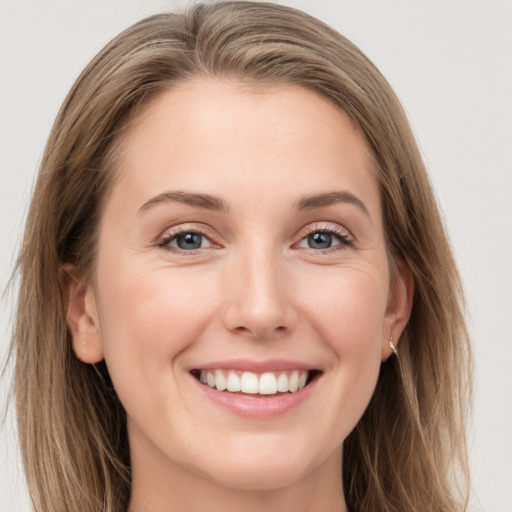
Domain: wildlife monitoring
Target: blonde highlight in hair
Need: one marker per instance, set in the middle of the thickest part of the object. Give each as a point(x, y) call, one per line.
point(408, 451)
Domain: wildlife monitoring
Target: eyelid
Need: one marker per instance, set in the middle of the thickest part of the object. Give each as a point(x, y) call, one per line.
point(347, 240)
point(170, 233)
point(328, 227)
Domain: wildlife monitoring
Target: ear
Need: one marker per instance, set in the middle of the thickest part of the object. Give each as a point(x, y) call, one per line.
point(398, 312)
point(81, 315)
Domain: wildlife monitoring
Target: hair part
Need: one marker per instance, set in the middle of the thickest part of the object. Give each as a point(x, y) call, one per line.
point(408, 451)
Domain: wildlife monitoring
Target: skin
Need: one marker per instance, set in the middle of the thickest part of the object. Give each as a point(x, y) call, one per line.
point(255, 290)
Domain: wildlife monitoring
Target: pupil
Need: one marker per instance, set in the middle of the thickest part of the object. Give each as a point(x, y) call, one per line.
point(320, 240)
point(189, 241)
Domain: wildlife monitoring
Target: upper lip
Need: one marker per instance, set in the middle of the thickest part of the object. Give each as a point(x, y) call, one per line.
point(271, 365)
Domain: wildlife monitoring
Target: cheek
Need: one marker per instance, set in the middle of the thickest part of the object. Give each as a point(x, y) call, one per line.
point(348, 311)
point(348, 306)
point(147, 319)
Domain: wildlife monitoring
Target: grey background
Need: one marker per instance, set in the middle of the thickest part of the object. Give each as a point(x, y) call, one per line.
point(450, 62)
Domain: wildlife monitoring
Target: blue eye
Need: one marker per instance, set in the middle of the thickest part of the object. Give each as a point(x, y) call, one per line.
point(323, 239)
point(185, 241)
point(189, 241)
point(320, 240)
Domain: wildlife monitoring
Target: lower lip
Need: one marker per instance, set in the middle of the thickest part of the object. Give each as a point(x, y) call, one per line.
point(257, 406)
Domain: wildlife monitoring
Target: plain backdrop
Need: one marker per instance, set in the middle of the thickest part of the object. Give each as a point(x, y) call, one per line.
point(450, 62)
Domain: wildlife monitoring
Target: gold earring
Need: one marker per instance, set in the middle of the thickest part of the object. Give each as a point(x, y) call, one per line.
point(392, 346)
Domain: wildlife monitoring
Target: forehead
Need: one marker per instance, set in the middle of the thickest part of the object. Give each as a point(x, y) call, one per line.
point(208, 134)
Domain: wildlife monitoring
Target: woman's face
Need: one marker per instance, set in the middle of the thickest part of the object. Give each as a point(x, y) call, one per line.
point(242, 246)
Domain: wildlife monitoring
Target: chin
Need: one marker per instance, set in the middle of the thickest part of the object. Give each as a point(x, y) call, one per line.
point(264, 468)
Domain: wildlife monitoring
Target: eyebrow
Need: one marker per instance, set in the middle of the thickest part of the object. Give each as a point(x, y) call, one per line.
point(205, 201)
point(213, 203)
point(329, 199)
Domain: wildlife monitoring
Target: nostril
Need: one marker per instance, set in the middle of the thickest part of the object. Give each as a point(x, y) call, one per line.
point(260, 332)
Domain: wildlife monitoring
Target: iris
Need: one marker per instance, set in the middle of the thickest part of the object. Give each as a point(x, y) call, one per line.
point(319, 240)
point(189, 241)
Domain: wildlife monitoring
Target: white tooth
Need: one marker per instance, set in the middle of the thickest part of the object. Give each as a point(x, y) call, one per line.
point(211, 379)
point(282, 383)
point(203, 378)
point(268, 384)
point(220, 380)
point(293, 381)
point(302, 379)
point(233, 383)
point(249, 382)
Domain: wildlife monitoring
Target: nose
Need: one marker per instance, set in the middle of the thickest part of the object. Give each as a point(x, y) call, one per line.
point(259, 297)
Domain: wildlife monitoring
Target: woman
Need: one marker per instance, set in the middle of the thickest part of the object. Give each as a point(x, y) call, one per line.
point(240, 292)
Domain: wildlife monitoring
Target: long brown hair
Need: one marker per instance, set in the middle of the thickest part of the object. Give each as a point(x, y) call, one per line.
point(408, 451)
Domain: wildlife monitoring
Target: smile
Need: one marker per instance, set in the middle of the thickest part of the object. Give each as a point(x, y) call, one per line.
point(268, 383)
point(262, 389)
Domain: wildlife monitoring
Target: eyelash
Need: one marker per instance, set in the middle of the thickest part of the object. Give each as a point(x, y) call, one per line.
point(165, 241)
point(345, 239)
